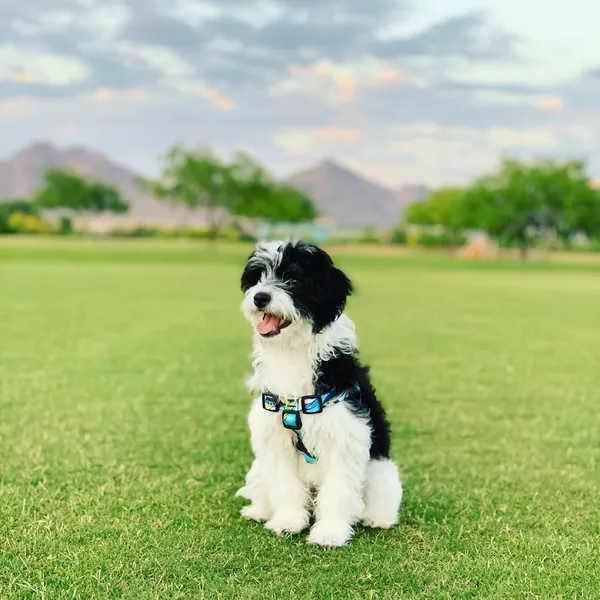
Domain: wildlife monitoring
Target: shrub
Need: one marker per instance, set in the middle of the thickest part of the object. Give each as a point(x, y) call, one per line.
point(368, 237)
point(8, 208)
point(65, 226)
point(412, 238)
point(435, 239)
point(398, 236)
point(19, 222)
point(444, 239)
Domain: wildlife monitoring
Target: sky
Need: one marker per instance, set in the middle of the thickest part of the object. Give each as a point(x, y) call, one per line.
point(430, 92)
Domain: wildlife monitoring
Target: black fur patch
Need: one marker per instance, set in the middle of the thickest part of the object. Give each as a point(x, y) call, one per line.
point(340, 373)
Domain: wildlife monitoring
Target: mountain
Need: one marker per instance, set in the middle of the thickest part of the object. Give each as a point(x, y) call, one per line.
point(351, 200)
point(341, 195)
point(23, 173)
point(409, 194)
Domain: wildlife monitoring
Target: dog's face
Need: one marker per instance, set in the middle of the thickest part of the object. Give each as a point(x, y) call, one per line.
point(287, 285)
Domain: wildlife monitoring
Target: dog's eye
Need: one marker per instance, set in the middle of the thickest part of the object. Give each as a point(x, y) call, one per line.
point(292, 281)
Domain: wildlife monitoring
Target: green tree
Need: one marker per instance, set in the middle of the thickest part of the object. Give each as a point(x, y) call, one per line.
point(255, 194)
point(198, 179)
point(439, 208)
point(522, 202)
point(67, 190)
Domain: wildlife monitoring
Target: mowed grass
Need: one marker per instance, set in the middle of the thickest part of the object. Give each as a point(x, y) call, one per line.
point(123, 431)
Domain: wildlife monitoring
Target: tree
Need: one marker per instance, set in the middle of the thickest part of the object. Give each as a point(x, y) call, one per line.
point(65, 189)
point(194, 179)
point(255, 194)
point(522, 202)
point(200, 179)
point(439, 208)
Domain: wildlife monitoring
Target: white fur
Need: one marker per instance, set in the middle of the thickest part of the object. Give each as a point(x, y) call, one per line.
point(349, 486)
point(383, 494)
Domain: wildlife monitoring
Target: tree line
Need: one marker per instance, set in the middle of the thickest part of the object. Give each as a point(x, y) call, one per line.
point(521, 204)
point(192, 178)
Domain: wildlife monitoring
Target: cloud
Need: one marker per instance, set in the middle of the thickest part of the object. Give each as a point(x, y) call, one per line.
point(163, 61)
point(504, 138)
point(385, 75)
point(341, 82)
point(211, 94)
point(22, 66)
point(152, 29)
point(293, 79)
point(439, 154)
point(322, 77)
point(112, 95)
point(305, 142)
point(468, 35)
point(249, 46)
point(551, 104)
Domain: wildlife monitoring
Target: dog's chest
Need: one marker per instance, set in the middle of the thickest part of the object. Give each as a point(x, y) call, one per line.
point(286, 373)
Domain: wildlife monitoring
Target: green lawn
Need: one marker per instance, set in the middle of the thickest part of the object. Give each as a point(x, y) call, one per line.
point(123, 429)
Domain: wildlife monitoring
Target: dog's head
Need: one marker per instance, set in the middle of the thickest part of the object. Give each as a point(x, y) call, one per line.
point(289, 284)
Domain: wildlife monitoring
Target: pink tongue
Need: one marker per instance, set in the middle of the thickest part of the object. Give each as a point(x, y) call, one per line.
point(270, 324)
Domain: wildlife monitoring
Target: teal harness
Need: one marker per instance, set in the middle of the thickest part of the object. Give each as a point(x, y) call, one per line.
point(309, 405)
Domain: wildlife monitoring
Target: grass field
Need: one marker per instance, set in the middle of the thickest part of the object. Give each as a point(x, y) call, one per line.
point(123, 429)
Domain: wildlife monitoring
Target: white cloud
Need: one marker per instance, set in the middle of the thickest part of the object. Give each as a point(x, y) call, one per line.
point(106, 20)
point(343, 81)
point(164, 60)
point(298, 142)
point(208, 93)
point(112, 95)
point(504, 138)
point(498, 138)
point(23, 66)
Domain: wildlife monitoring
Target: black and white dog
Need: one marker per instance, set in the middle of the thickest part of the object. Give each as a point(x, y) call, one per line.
point(320, 437)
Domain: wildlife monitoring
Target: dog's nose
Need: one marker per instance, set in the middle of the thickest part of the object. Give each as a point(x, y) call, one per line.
point(262, 299)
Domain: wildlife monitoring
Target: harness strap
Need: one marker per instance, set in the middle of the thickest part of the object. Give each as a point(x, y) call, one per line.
point(310, 405)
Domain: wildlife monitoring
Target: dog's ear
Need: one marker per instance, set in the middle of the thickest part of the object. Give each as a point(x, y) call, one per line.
point(335, 289)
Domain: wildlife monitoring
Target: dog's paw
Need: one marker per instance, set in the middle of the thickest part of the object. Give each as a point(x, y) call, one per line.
point(288, 523)
point(255, 513)
point(244, 492)
point(377, 522)
point(330, 534)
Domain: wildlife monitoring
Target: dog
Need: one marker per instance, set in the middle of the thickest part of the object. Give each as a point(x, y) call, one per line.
point(319, 435)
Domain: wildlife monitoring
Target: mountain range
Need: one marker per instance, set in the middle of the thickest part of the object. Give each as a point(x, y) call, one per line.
point(341, 195)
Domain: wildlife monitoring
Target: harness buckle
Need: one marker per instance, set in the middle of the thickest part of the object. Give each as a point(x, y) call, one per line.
point(270, 402)
point(311, 405)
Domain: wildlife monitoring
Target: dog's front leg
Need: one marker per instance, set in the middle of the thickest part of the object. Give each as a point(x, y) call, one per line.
point(339, 502)
point(256, 492)
point(282, 497)
point(288, 494)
